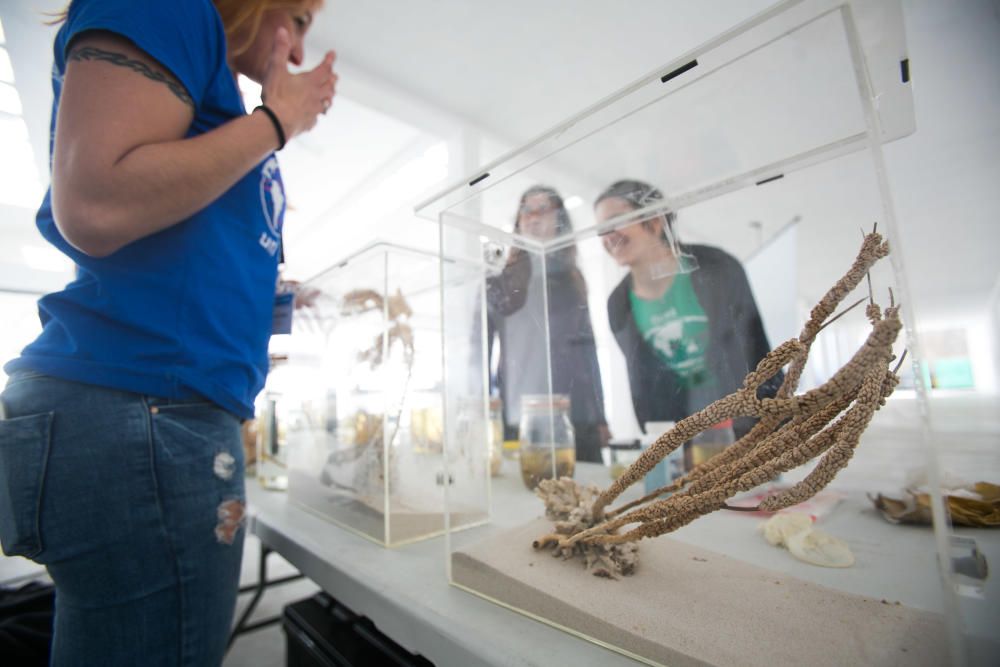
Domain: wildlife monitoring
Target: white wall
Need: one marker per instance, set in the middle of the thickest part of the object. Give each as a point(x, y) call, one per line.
point(994, 328)
point(945, 177)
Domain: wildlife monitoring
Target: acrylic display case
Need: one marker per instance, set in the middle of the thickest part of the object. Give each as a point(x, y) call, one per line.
point(275, 410)
point(764, 150)
point(366, 449)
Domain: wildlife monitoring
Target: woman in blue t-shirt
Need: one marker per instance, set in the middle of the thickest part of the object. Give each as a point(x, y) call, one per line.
point(121, 468)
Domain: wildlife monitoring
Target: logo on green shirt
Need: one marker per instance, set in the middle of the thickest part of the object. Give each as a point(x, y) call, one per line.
point(677, 328)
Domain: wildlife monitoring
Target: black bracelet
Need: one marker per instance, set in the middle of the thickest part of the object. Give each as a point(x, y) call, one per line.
point(277, 124)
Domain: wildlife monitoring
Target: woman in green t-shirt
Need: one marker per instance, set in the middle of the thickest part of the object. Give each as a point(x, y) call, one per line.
point(684, 316)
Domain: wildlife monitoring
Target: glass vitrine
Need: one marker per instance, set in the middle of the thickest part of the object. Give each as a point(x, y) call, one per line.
point(635, 264)
point(366, 447)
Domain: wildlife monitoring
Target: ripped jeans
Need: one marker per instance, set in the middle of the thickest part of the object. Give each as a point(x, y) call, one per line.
point(135, 506)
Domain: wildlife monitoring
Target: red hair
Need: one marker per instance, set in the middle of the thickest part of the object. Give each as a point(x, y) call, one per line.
point(239, 17)
point(243, 18)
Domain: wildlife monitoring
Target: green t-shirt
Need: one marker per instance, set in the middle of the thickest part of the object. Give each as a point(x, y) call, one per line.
point(677, 328)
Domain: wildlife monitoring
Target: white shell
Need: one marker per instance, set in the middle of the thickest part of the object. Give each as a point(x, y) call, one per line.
point(818, 548)
point(780, 527)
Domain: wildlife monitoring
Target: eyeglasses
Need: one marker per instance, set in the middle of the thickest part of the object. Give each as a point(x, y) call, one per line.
point(537, 210)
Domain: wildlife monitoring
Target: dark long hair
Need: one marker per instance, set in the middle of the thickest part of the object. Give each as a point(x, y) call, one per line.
point(639, 195)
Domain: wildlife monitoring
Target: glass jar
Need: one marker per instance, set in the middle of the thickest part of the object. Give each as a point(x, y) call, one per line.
point(511, 449)
point(671, 466)
point(496, 436)
point(427, 429)
point(708, 443)
point(547, 443)
point(623, 454)
point(272, 451)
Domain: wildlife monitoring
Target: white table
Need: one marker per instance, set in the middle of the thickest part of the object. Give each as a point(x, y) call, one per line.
point(406, 593)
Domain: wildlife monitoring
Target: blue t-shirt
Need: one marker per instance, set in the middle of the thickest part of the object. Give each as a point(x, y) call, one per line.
point(186, 312)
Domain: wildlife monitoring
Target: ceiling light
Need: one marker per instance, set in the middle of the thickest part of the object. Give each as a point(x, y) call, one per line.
point(572, 202)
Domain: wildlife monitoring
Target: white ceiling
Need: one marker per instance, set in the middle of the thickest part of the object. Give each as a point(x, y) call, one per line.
point(518, 67)
point(513, 69)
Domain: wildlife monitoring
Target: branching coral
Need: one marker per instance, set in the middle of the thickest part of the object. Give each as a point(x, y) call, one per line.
point(791, 430)
point(369, 428)
point(570, 505)
point(397, 311)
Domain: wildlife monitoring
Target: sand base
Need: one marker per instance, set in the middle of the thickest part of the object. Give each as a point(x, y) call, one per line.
point(689, 606)
point(363, 516)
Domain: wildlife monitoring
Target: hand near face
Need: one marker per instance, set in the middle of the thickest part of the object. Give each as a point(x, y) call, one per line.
point(297, 99)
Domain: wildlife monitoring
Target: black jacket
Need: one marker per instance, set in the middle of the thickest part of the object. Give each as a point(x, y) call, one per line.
point(736, 340)
point(575, 371)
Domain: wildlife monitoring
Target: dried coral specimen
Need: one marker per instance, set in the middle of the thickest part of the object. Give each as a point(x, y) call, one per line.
point(791, 430)
point(570, 506)
point(369, 428)
point(398, 312)
point(976, 505)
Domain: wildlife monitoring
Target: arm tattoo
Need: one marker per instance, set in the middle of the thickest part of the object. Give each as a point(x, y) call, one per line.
point(120, 59)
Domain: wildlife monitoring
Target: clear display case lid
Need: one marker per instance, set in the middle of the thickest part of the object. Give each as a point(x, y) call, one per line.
point(703, 124)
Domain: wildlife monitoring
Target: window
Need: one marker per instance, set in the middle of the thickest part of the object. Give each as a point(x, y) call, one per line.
point(21, 325)
point(19, 182)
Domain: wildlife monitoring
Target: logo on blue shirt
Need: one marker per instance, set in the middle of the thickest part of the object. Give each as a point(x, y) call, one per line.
point(272, 201)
